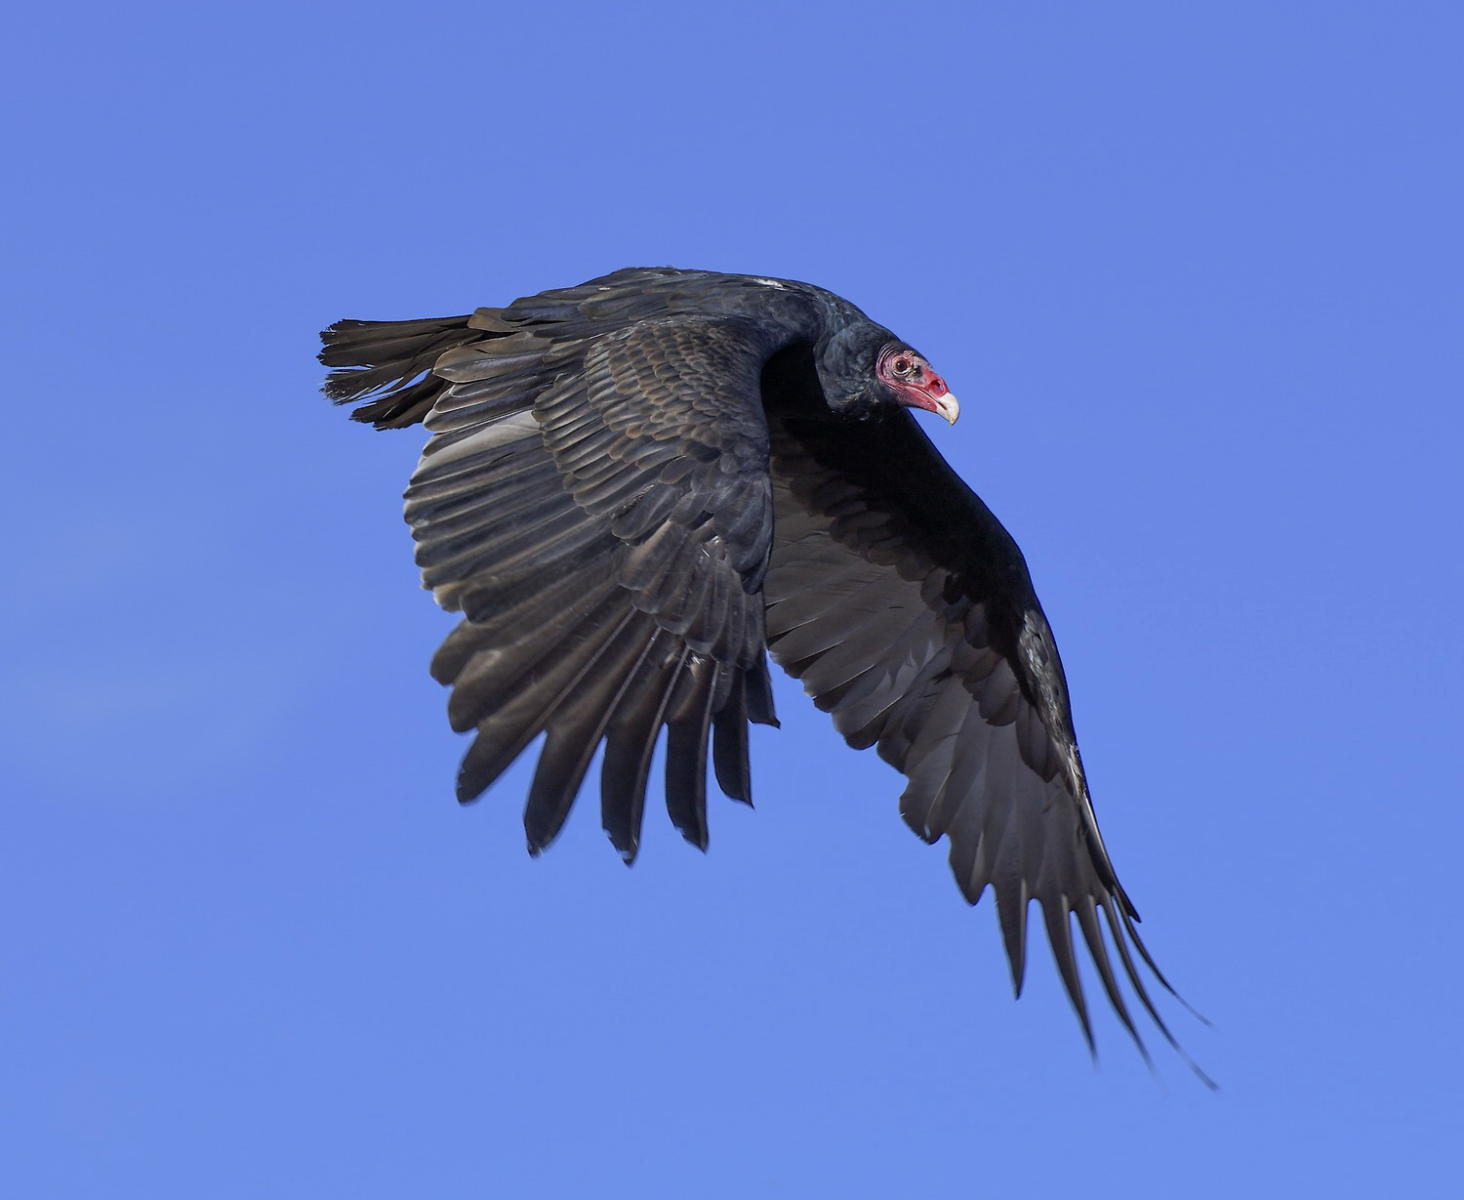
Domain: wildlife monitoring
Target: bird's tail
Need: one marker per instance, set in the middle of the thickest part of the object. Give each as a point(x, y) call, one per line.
point(389, 364)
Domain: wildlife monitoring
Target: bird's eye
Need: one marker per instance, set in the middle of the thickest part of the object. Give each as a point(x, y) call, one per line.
point(902, 366)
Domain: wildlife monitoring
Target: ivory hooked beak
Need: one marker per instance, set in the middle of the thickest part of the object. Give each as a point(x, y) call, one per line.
point(946, 406)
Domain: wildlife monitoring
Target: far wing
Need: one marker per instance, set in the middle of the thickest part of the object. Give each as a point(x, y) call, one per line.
point(908, 613)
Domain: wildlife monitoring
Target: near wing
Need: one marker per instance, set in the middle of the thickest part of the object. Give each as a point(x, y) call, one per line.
point(907, 611)
point(595, 500)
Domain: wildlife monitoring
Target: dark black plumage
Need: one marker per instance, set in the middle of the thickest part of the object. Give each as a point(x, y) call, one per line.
point(638, 487)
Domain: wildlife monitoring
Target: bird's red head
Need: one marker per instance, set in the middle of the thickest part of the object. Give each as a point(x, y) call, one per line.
point(915, 383)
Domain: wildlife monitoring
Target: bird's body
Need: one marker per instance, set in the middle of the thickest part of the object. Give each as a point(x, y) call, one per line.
point(637, 487)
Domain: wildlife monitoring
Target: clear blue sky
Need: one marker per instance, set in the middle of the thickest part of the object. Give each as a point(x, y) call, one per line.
point(1195, 272)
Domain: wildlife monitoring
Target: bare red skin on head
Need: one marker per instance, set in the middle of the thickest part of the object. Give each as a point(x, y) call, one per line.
point(911, 378)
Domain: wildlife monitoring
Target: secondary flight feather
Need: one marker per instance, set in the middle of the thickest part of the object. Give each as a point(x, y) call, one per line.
point(638, 488)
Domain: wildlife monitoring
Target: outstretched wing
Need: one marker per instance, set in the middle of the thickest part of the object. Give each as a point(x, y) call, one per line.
point(907, 611)
point(595, 500)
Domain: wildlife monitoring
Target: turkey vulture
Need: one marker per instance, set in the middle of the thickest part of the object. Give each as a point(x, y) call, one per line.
point(637, 487)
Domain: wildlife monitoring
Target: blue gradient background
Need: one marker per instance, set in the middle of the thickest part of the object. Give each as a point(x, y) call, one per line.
point(1195, 272)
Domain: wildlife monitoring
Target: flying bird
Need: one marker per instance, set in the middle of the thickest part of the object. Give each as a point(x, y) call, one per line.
point(638, 488)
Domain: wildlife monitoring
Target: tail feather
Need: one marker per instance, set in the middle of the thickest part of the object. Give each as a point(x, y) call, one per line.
point(388, 362)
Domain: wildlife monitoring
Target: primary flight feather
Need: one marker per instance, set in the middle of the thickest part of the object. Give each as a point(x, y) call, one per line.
point(637, 488)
